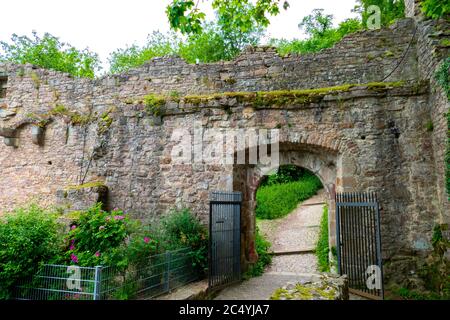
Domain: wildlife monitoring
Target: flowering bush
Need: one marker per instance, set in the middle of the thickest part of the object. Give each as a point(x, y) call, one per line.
point(102, 238)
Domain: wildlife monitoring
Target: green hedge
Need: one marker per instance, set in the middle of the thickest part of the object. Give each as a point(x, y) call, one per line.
point(278, 200)
point(322, 248)
point(28, 237)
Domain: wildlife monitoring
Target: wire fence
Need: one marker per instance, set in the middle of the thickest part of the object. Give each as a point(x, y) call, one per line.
point(151, 277)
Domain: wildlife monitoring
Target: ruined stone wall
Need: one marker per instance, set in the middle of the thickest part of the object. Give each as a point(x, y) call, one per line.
point(366, 138)
point(432, 50)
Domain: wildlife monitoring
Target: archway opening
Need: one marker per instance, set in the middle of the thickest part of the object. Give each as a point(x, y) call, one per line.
point(323, 163)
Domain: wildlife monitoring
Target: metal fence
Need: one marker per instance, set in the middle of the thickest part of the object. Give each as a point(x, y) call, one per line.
point(151, 277)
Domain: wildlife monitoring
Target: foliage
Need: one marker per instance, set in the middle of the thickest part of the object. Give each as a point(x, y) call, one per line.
point(50, 53)
point(435, 9)
point(321, 33)
point(391, 10)
point(233, 15)
point(154, 104)
point(28, 237)
point(181, 229)
point(285, 174)
point(322, 248)
point(443, 78)
point(211, 45)
point(158, 45)
point(278, 200)
point(98, 238)
point(262, 246)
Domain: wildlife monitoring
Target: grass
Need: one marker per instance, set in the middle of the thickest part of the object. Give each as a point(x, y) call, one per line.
point(322, 248)
point(264, 257)
point(276, 201)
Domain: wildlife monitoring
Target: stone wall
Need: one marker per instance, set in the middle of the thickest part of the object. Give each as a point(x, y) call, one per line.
point(61, 132)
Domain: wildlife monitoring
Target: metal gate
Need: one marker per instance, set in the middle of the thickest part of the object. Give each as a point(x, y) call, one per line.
point(359, 243)
point(225, 238)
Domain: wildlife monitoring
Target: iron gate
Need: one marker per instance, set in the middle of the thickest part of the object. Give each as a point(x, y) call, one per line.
point(225, 238)
point(359, 243)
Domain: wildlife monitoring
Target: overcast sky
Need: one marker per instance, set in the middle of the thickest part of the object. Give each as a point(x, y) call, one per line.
point(105, 25)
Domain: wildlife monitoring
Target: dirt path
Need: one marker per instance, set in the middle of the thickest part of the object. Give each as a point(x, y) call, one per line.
point(297, 231)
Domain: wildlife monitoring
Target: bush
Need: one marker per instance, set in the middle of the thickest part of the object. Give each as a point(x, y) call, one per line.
point(181, 229)
point(98, 237)
point(322, 248)
point(264, 257)
point(28, 237)
point(275, 201)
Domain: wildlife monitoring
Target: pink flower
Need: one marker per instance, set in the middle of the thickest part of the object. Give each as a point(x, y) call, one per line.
point(108, 218)
point(72, 241)
point(74, 258)
point(119, 217)
point(146, 239)
point(73, 227)
point(97, 254)
point(72, 247)
point(101, 228)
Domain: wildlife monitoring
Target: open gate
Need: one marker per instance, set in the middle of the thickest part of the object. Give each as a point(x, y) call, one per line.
point(359, 243)
point(224, 238)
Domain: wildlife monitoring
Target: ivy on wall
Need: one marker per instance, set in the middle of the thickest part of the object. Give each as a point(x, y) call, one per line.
point(443, 78)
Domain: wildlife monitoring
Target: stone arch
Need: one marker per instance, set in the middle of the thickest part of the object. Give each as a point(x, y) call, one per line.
point(325, 163)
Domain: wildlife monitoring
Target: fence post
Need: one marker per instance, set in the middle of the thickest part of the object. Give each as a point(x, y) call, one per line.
point(97, 282)
point(168, 258)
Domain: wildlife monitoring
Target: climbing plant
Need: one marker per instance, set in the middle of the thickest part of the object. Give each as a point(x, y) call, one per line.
point(443, 78)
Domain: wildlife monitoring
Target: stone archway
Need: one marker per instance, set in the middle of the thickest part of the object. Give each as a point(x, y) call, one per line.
point(324, 163)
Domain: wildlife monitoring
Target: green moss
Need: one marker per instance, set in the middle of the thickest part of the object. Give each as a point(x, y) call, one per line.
point(105, 120)
point(429, 126)
point(92, 184)
point(389, 54)
point(154, 104)
point(75, 117)
point(445, 43)
point(36, 80)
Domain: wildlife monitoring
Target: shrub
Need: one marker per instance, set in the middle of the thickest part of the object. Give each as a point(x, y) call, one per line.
point(180, 229)
point(264, 257)
point(275, 201)
point(98, 237)
point(28, 237)
point(322, 248)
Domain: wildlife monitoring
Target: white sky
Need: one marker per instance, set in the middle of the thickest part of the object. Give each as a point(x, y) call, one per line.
point(105, 25)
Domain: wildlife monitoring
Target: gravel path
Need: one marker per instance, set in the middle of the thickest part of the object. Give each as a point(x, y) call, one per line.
point(295, 232)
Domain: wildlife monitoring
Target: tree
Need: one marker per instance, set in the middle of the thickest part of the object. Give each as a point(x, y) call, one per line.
point(390, 10)
point(158, 45)
point(241, 15)
point(317, 23)
point(48, 52)
point(322, 34)
point(210, 45)
point(435, 9)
